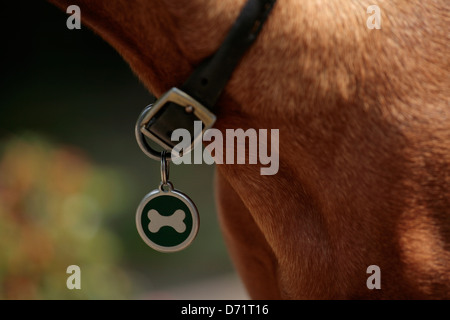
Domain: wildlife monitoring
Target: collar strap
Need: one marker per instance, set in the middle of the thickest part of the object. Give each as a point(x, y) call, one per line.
point(195, 100)
point(208, 81)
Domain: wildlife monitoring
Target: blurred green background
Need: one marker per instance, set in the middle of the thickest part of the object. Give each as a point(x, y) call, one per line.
point(72, 175)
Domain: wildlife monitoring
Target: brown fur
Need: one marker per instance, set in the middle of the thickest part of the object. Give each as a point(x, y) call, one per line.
point(364, 123)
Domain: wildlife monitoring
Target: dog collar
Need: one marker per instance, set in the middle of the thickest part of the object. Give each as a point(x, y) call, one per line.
point(196, 98)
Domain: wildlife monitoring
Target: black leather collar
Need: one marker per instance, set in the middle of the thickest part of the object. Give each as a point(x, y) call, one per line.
point(196, 98)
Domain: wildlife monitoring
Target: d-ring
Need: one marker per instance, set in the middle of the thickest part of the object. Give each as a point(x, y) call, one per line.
point(164, 168)
point(142, 142)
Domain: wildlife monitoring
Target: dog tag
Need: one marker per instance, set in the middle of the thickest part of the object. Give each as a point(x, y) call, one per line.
point(167, 219)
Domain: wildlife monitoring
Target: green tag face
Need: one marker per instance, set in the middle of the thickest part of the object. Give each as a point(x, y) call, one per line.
point(167, 220)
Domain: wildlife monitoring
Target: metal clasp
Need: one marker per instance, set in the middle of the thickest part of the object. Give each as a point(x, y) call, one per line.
point(175, 109)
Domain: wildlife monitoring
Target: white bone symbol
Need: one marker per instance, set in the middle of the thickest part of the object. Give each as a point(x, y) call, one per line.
point(158, 221)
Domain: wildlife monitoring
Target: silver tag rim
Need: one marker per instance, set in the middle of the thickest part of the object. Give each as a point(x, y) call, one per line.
point(192, 209)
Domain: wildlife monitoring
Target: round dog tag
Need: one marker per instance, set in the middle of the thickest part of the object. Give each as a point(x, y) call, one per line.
point(167, 220)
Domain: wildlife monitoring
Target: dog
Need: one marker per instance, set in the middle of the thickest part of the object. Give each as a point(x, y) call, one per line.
point(364, 122)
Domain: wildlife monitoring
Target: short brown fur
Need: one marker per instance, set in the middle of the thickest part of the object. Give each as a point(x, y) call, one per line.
point(364, 124)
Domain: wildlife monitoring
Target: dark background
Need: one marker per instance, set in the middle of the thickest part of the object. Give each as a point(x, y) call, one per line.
point(69, 88)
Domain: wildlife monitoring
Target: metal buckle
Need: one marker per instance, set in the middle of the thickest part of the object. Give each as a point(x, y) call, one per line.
point(175, 109)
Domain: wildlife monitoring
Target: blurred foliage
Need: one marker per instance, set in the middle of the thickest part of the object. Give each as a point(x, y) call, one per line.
point(53, 207)
point(73, 200)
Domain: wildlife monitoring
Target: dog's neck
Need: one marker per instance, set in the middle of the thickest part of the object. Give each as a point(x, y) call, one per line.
point(200, 26)
point(161, 40)
point(363, 121)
